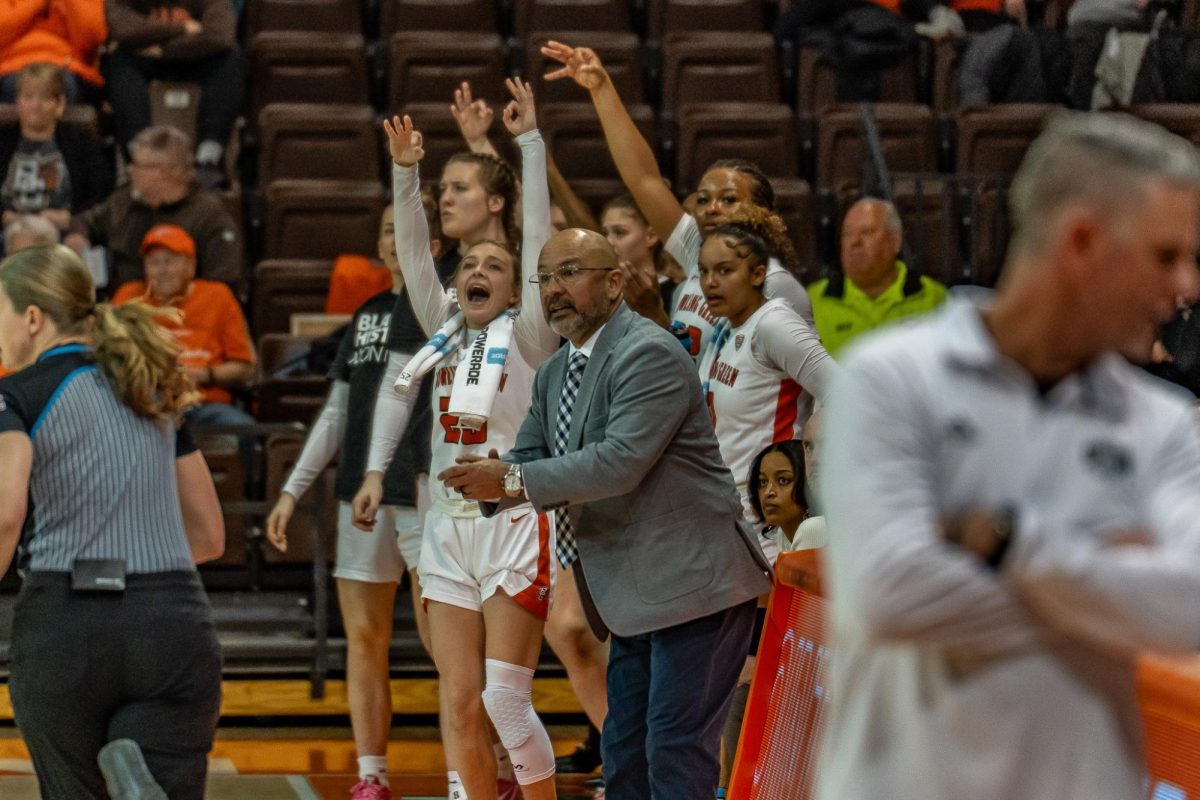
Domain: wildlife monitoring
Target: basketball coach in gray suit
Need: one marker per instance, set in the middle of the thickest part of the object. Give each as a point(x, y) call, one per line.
point(619, 443)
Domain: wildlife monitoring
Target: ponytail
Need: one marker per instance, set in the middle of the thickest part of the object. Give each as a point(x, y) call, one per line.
point(141, 358)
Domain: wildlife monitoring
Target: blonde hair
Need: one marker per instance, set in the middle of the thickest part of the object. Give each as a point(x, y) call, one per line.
point(139, 356)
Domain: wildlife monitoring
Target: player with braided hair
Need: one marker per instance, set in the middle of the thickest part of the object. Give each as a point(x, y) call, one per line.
point(766, 364)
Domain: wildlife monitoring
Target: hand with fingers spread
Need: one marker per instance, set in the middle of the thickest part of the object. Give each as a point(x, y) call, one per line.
point(579, 64)
point(278, 520)
point(474, 117)
point(520, 115)
point(404, 142)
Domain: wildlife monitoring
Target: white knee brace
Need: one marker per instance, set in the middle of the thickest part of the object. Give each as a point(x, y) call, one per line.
point(508, 700)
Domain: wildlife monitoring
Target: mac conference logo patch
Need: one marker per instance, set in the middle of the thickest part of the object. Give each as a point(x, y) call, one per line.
point(1108, 459)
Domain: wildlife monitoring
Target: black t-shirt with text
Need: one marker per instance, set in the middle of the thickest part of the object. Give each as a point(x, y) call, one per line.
point(381, 325)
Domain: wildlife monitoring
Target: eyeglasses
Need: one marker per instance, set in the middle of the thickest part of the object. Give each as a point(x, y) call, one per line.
point(566, 275)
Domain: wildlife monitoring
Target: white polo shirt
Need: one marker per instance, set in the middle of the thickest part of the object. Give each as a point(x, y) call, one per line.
point(949, 680)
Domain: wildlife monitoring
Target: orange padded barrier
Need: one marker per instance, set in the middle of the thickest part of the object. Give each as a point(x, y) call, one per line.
point(1169, 692)
point(776, 756)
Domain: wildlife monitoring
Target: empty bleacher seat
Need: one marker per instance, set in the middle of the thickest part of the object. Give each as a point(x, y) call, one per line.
point(228, 471)
point(907, 133)
point(322, 219)
point(1182, 119)
point(710, 67)
point(618, 51)
point(282, 452)
point(572, 133)
point(667, 16)
point(283, 287)
point(340, 16)
point(427, 66)
point(300, 67)
point(436, 15)
point(440, 136)
point(574, 15)
point(764, 133)
point(993, 139)
point(817, 81)
point(794, 203)
point(317, 140)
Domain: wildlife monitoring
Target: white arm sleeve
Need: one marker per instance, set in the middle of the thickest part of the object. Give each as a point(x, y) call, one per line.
point(430, 302)
point(392, 412)
point(892, 575)
point(784, 285)
point(783, 340)
point(534, 336)
point(323, 441)
point(1133, 597)
point(683, 245)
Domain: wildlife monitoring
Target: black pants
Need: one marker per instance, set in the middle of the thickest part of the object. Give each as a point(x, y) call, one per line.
point(222, 80)
point(91, 668)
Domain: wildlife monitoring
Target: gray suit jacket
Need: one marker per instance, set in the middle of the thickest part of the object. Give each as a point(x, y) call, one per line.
point(655, 512)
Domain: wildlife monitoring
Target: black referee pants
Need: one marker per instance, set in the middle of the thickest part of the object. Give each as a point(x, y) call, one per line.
point(91, 668)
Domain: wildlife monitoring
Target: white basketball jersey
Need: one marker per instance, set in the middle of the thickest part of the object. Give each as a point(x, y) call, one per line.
point(692, 310)
point(451, 440)
point(752, 405)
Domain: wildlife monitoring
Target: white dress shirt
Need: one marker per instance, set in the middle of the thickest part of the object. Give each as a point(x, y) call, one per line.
point(950, 680)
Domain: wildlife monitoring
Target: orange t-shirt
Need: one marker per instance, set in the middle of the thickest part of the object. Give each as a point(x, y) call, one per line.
point(891, 5)
point(214, 329)
point(354, 281)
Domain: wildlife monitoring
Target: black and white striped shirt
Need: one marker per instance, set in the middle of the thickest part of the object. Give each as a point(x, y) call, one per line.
point(103, 483)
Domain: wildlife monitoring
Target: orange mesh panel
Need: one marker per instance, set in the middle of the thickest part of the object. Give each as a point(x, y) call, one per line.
point(776, 755)
point(1169, 691)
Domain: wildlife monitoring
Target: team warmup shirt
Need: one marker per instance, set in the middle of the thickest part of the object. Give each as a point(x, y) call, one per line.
point(103, 481)
point(948, 679)
point(533, 340)
point(382, 325)
point(761, 384)
point(690, 308)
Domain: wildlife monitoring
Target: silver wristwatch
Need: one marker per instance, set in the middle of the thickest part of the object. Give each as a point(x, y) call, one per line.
point(513, 485)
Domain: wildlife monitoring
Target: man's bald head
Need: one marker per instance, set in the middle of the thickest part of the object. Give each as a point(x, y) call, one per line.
point(587, 246)
point(585, 283)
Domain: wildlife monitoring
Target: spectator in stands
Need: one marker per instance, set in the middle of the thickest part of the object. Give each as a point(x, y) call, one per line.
point(49, 167)
point(356, 279)
point(67, 33)
point(161, 190)
point(1014, 509)
point(27, 230)
point(217, 352)
point(875, 285)
point(180, 40)
point(1088, 23)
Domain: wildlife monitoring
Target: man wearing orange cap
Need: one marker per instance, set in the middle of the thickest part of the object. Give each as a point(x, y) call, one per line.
point(217, 351)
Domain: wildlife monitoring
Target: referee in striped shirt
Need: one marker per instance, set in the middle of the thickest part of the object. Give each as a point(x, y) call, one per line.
point(111, 508)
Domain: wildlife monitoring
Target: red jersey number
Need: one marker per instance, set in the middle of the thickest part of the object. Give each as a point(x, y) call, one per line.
point(455, 433)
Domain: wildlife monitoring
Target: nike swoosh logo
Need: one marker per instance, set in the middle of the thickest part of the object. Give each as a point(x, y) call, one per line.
point(519, 517)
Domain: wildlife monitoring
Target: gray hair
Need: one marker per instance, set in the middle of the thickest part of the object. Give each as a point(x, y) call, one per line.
point(171, 142)
point(891, 217)
point(1101, 161)
point(34, 227)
